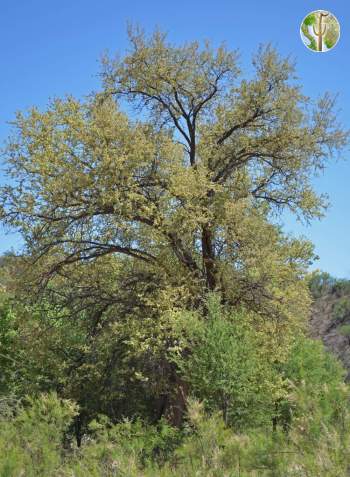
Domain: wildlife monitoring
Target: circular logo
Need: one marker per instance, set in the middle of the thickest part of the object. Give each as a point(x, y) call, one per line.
point(320, 31)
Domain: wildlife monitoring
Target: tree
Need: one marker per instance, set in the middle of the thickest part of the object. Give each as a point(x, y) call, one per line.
point(174, 196)
point(175, 185)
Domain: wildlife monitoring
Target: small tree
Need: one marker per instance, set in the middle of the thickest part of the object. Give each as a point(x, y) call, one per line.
point(230, 369)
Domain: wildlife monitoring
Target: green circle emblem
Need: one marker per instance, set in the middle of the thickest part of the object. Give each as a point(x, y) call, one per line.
point(320, 31)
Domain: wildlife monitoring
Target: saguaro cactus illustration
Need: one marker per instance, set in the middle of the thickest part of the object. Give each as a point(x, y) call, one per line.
point(321, 29)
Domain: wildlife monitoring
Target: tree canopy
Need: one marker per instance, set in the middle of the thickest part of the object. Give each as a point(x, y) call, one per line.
point(184, 178)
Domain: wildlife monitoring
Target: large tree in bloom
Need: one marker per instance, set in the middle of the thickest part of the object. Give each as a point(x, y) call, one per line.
point(178, 165)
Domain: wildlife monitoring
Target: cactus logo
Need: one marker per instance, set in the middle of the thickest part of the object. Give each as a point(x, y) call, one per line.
point(320, 31)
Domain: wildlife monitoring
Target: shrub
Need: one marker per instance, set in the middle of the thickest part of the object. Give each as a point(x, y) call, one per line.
point(31, 442)
point(227, 370)
point(341, 309)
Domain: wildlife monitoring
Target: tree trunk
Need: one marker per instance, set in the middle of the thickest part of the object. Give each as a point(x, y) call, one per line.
point(177, 403)
point(208, 257)
point(78, 430)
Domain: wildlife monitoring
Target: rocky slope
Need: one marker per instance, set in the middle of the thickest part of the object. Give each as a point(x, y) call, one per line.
point(330, 318)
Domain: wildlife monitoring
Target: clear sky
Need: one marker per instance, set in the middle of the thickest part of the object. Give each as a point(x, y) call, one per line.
point(52, 48)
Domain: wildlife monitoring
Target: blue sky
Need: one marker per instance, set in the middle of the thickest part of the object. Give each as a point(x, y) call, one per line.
point(53, 48)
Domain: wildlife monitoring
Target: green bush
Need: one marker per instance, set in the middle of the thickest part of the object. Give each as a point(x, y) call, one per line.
point(213, 450)
point(8, 355)
point(31, 442)
point(316, 444)
point(228, 372)
point(316, 386)
point(309, 362)
point(341, 309)
point(345, 330)
point(321, 283)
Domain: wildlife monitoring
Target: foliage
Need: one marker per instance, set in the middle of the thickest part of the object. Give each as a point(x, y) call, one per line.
point(309, 362)
point(185, 193)
point(315, 380)
point(8, 362)
point(341, 309)
point(310, 20)
point(337, 291)
point(320, 283)
point(31, 442)
point(329, 43)
point(154, 324)
point(230, 369)
point(332, 33)
point(345, 330)
point(131, 220)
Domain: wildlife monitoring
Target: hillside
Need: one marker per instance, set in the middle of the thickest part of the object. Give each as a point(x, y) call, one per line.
point(330, 319)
